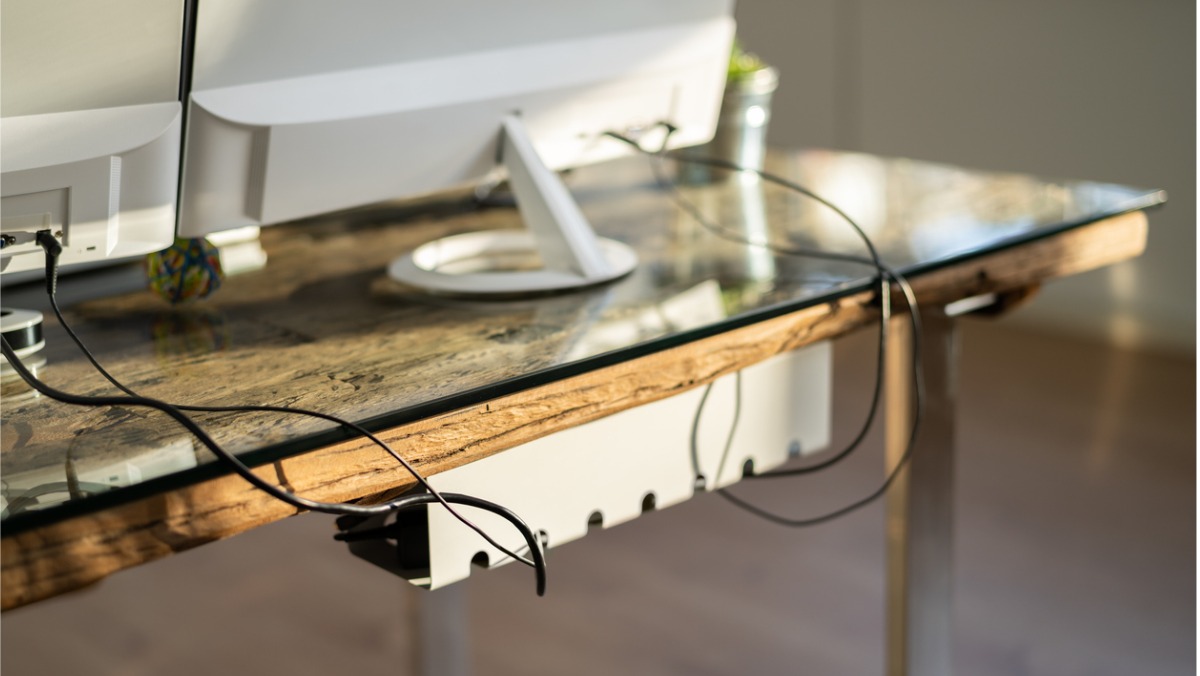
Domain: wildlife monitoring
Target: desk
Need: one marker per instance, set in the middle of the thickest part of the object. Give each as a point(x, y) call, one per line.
point(448, 382)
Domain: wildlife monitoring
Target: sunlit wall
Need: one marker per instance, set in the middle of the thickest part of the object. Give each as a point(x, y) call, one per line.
point(1074, 88)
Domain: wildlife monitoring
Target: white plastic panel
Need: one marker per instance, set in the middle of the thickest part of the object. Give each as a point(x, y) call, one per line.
point(245, 41)
point(65, 55)
point(270, 151)
point(106, 178)
point(609, 466)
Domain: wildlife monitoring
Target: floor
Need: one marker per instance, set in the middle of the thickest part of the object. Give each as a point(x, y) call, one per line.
point(1074, 554)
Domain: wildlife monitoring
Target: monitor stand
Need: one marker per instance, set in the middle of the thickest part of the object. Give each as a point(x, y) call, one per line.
point(558, 238)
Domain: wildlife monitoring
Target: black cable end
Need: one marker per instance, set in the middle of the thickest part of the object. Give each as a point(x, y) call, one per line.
point(53, 249)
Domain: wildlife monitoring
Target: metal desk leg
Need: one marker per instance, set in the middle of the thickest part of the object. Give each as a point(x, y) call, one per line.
point(920, 502)
point(439, 631)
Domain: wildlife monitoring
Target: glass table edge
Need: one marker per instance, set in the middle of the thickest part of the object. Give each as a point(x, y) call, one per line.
point(26, 521)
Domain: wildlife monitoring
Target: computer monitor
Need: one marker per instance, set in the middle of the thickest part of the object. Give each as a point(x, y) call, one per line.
point(90, 129)
point(301, 107)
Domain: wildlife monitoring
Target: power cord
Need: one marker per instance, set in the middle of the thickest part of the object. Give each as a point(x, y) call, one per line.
point(887, 276)
point(52, 251)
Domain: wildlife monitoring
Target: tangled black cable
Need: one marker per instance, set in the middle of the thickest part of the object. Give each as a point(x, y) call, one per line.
point(887, 276)
point(53, 249)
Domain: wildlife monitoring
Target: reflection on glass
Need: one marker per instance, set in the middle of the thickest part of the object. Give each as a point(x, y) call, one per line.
point(13, 390)
point(700, 305)
point(321, 327)
point(189, 331)
point(760, 262)
point(81, 474)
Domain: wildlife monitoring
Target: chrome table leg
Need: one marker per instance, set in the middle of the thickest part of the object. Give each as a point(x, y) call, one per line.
point(920, 502)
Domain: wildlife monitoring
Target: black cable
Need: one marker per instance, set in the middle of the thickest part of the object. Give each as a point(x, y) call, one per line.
point(910, 446)
point(246, 473)
point(354, 427)
point(872, 260)
point(785, 249)
point(695, 437)
point(885, 274)
point(739, 238)
point(53, 249)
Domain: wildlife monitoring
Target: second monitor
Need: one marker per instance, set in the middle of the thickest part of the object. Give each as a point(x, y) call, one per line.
point(301, 107)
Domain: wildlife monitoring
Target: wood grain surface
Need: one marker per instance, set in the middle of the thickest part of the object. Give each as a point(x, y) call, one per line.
point(43, 562)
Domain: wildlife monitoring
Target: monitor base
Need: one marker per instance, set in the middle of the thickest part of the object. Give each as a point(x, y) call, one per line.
point(559, 245)
point(482, 264)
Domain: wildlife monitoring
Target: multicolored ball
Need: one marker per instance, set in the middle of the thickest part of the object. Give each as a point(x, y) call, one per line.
point(187, 270)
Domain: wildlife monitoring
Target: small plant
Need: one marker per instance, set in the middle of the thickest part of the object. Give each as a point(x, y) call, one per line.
point(743, 64)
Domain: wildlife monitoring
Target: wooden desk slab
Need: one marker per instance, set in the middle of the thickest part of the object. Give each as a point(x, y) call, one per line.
point(72, 552)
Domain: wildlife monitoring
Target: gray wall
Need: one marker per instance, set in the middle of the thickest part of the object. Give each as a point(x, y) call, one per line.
point(1093, 89)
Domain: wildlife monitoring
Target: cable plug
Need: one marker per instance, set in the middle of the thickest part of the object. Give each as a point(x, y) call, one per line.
point(53, 249)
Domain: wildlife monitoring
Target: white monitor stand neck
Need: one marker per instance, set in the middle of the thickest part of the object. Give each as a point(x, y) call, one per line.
point(472, 264)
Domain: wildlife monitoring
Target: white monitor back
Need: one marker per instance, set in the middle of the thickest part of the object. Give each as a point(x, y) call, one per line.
point(300, 107)
point(91, 129)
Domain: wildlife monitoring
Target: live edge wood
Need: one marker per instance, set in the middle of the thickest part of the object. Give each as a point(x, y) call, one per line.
point(71, 554)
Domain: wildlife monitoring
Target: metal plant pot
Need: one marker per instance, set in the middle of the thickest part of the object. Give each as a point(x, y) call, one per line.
point(741, 130)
